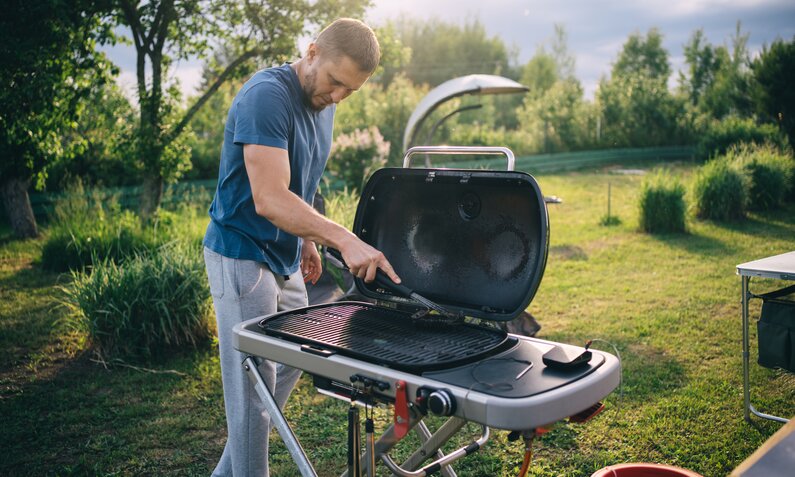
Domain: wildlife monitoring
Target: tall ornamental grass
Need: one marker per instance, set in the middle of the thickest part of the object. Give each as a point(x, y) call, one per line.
point(769, 174)
point(662, 204)
point(341, 206)
point(719, 192)
point(85, 225)
point(75, 246)
point(143, 308)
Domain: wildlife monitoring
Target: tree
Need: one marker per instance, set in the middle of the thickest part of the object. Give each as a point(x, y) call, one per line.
point(395, 56)
point(104, 131)
point(441, 51)
point(557, 120)
point(564, 61)
point(718, 78)
point(730, 92)
point(208, 128)
point(639, 111)
point(48, 63)
point(539, 74)
point(388, 107)
point(637, 108)
point(704, 63)
point(554, 115)
point(643, 56)
point(249, 34)
point(774, 96)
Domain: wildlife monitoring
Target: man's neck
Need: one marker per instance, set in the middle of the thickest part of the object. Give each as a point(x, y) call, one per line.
point(298, 67)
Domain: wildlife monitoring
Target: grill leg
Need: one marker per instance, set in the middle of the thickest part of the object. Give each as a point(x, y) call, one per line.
point(438, 464)
point(387, 441)
point(431, 444)
point(278, 419)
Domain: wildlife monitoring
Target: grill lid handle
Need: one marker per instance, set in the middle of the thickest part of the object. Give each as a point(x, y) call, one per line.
point(460, 150)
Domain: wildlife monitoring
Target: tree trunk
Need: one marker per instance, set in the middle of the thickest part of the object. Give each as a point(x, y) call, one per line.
point(17, 205)
point(151, 195)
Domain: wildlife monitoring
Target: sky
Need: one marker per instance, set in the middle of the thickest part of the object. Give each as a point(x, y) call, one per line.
point(596, 29)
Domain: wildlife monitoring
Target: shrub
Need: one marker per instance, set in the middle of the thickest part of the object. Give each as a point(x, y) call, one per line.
point(721, 135)
point(662, 204)
point(356, 155)
point(144, 307)
point(769, 174)
point(85, 226)
point(719, 192)
point(187, 223)
point(69, 248)
point(389, 106)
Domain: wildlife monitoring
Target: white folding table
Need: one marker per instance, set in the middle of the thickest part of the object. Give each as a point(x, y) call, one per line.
point(780, 267)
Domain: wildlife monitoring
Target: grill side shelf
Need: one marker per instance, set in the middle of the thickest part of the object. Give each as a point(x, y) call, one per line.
point(507, 375)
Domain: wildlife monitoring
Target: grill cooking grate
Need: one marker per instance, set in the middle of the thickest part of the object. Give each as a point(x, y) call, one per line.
point(384, 336)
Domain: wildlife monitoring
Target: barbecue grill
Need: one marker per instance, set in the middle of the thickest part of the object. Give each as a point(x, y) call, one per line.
point(474, 243)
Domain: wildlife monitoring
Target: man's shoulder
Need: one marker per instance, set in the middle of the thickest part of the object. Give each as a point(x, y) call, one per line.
point(269, 81)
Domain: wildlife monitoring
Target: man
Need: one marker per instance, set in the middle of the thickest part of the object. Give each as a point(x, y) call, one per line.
point(260, 244)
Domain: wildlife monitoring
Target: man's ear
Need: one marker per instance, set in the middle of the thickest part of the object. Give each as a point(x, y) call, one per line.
point(311, 52)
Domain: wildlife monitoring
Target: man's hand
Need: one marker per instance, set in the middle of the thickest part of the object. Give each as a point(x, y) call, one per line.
point(311, 265)
point(364, 260)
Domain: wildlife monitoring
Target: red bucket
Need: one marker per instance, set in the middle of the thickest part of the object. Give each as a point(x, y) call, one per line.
point(644, 470)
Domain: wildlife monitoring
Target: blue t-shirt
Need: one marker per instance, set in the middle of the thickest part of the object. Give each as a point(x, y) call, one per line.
point(269, 110)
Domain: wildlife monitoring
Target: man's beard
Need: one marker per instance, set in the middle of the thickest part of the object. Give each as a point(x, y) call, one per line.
point(309, 87)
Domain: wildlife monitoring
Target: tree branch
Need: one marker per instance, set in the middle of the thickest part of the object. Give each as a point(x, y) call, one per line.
point(159, 32)
point(131, 15)
point(167, 14)
point(212, 89)
point(156, 23)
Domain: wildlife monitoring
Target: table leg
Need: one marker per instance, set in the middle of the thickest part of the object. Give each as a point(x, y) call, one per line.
point(746, 355)
point(748, 408)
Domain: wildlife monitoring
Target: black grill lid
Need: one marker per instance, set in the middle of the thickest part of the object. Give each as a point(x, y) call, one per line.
point(472, 241)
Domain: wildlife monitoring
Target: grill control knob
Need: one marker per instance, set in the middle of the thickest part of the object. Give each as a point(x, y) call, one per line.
point(441, 403)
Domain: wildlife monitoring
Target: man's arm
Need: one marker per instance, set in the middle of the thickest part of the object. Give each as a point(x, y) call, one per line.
point(268, 171)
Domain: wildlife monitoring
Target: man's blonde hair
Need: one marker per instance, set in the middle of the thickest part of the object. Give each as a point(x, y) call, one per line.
point(352, 38)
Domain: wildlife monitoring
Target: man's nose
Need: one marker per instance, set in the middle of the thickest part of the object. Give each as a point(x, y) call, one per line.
point(339, 94)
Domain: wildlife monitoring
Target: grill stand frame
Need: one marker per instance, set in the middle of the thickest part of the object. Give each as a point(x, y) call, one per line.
point(277, 418)
point(430, 443)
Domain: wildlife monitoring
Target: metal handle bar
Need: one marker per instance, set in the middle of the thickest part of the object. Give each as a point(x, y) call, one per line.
point(438, 463)
point(460, 150)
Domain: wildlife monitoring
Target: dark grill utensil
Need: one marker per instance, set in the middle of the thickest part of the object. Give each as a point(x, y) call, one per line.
point(420, 318)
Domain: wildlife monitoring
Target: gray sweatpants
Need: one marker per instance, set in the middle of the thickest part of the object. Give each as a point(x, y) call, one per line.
point(242, 290)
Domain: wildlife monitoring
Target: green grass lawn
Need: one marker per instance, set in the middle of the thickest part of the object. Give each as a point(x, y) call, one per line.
point(670, 304)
